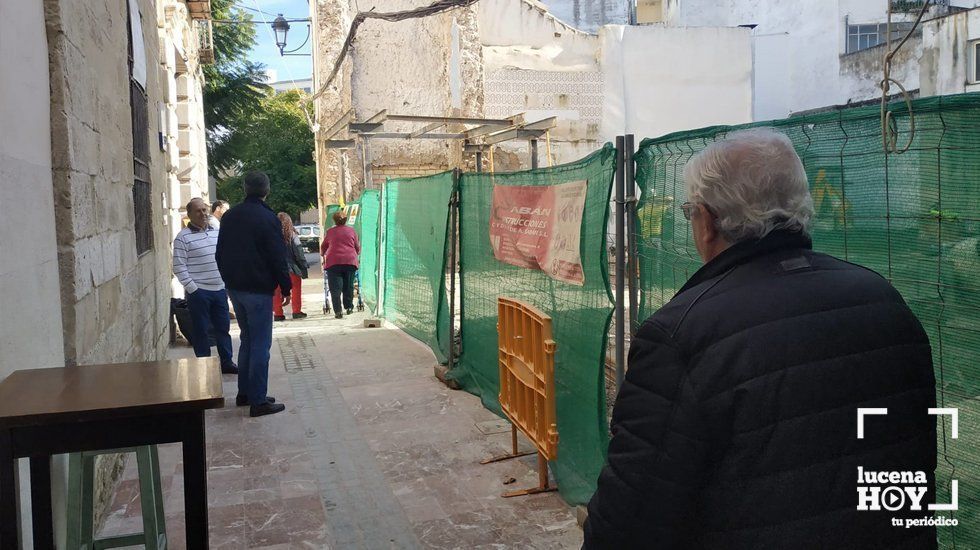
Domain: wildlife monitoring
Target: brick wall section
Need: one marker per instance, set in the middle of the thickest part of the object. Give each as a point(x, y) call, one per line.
point(115, 304)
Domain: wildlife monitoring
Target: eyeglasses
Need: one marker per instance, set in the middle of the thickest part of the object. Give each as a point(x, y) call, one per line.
point(688, 209)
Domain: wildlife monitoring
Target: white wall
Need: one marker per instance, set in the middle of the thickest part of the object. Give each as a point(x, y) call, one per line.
point(772, 97)
point(515, 34)
point(792, 74)
point(657, 80)
point(30, 328)
point(946, 63)
point(29, 270)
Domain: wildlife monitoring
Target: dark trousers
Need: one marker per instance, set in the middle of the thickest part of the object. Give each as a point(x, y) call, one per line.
point(210, 308)
point(254, 314)
point(340, 278)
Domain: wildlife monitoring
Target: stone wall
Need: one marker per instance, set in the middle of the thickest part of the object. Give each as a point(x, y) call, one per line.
point(430, 66)
point(337, 170)
point(114, 303)
point(380, 173)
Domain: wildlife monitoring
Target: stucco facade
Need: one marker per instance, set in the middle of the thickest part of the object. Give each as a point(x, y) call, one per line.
point(30, 329)
point(181, 114)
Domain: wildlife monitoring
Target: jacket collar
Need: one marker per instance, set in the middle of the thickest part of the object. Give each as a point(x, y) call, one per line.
point(256, 200)
point(744, 251)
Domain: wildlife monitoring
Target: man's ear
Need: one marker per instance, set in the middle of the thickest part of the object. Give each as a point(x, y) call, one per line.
point(706, 225)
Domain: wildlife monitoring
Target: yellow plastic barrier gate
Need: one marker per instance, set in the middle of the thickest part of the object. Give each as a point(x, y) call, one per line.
point(527, 384)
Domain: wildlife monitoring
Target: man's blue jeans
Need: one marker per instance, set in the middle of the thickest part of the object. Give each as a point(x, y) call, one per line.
point(210, 308)
point(254, 314)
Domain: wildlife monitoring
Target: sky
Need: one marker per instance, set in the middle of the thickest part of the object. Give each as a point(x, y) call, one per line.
point(266, 52)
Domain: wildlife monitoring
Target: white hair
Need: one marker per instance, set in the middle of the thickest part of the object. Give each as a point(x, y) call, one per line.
point(753, 182)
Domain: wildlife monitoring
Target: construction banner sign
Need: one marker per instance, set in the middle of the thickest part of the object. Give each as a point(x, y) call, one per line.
point(539, 227)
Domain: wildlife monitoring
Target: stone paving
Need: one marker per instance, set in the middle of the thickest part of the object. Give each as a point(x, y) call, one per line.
point(372, 452)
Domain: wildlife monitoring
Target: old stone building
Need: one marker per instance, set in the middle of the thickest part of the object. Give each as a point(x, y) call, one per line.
point(89, 149)
point(501, 58)
point(185, 45)
point(683, 64)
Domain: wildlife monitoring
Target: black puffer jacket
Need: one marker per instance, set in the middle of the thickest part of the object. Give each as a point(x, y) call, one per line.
point(736, 426)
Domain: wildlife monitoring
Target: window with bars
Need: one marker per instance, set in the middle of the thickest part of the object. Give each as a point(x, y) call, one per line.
point(975, 54)
point(862, 37)
point(139, 113)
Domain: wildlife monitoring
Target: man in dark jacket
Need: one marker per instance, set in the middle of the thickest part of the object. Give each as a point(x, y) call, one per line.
point(251, 257)
point(736, 426)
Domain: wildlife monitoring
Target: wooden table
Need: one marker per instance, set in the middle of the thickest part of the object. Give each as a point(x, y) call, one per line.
point(44, 412)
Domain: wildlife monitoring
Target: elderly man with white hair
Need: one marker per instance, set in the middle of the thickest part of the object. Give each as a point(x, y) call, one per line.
point(736, 426)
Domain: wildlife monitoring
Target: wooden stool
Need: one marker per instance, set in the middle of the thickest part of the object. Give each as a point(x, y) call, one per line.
point(80, 516)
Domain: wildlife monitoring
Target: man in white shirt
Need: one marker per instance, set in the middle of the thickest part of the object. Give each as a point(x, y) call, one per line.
point(218, 209)
point(197, 271)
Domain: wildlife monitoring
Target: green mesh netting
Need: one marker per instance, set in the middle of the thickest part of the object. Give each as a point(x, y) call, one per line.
point(913, 217)
point(416, 222)
point(580, 314)
point(328, 216)
point(366, 226)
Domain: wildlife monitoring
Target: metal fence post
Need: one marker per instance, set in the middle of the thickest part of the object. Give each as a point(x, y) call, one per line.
point(453, 237)
point(620, 262)
point(382, 235)
point(632, 261)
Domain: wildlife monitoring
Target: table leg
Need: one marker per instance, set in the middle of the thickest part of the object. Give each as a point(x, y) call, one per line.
point(41, 502)
point(8, 494)
point(195, 482)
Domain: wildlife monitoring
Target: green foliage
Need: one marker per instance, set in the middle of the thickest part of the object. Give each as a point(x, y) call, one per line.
point(275, 140)
point(233, 85)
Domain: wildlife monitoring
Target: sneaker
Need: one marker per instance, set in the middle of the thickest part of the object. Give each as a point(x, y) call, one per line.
point(230, 368)
point(350, 311)
point(242, 400)
point(299, 315)
point(338, 316)
point(265, 408)
point(278, 317)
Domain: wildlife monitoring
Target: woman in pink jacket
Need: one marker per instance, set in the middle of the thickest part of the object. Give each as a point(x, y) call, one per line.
point(340, 249)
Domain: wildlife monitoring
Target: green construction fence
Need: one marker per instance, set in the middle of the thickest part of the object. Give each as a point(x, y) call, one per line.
point(366, 225)
point(912, 217)
point(580, 314)
point(416, 218)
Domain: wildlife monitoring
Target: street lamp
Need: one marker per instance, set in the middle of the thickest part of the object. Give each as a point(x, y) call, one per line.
point(280, 26)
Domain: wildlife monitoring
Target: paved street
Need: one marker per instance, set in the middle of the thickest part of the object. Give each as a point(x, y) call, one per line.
point(372, 452)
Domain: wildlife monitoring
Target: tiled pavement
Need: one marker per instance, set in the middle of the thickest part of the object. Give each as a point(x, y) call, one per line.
point(372, 452)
